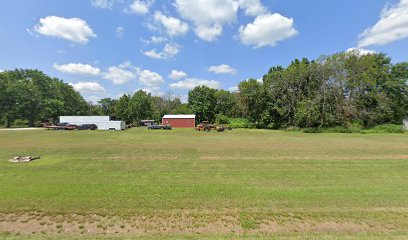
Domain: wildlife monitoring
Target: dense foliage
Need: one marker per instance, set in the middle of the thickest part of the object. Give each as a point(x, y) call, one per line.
point(344, 90)
point(31, 96)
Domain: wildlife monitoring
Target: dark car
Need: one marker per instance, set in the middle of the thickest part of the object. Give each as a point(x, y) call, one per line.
point(87, 127)
point(164, 127)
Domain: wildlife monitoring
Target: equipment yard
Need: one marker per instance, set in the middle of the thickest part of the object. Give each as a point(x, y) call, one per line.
point(186, 184)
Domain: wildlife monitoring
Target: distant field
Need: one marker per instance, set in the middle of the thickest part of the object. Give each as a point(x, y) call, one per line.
point(187, 184)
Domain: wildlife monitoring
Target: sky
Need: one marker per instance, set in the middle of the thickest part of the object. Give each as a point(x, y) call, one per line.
point(107, 48)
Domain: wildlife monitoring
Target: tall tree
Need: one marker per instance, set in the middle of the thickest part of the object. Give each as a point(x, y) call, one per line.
point(226, 103)
point(141, 105)
point(202, 102)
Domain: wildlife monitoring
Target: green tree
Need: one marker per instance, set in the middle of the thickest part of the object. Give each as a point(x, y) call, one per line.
point(141, 106)
point(107, 106)
point(182, 109)
point(123, 109)
point(226, 103)
point(202, 102)
point(251, 97)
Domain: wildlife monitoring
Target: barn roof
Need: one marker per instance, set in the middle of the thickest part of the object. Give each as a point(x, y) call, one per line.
point(179, 116)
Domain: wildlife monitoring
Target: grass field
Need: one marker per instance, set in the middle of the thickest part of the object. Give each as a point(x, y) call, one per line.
point(186, 184)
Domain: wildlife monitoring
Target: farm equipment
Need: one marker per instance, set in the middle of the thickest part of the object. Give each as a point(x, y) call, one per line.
point(207, 127)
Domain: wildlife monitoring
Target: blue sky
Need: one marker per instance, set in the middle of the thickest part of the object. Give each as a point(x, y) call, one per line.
point(105, 48)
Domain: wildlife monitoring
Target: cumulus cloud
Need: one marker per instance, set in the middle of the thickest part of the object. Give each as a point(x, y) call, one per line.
point(392, 26)
point(252, 7)
point(71, 29)
point(88, 87)
point(191, 83)
point(176, 75)
point(173, 26)
point(141, 7)
point(169, 51)
point(222, 69)
point(267, 30)
point(360, 51)
point(150, 79)
point(209, 33)
point(121, 74)
point(208, 16)
point(77, 68)
point(104, 4)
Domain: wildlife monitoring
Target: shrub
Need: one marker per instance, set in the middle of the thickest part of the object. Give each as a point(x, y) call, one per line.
point(20, 123)
point(385, 128)
point(222, 119)
point(312, 130)
point(239, 123)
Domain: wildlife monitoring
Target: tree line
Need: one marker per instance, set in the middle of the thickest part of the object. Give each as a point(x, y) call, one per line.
point(338, 90)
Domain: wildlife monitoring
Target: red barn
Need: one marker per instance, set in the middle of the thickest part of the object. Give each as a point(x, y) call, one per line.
point(179, 121)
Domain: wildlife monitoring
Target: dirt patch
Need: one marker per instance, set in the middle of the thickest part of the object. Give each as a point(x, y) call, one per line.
point(177, 222)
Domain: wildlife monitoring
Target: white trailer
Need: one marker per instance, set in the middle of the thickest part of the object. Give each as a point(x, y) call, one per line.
point(102, 122)
point(111, 125)
point(84, 119)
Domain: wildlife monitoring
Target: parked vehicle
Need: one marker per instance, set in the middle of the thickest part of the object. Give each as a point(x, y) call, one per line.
point(71, 127)
point(205, 126)
point(61, 126)
point(146, 123)
point(155, 126)
point(87, 127)
point(221, 128)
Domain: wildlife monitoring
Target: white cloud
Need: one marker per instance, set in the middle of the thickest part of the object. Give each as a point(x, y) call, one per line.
point(121, 74)
point(177, 74)
point(233, 89)
point(104, 4)
point(157, 39)
point(360, 51)
point(267, 30)
point(72, 29)
point(120, 31)
point(77, 68)
point(152, 91)
point(208, 16)
point(169, 51)
point(1, 70)
point(191, 83)
point(141, 7)
point(392, 26)
point(150, 79)
point(173, 26)
point(222, 69)
point(208, 33)
point(252, 7)
point(88, 87)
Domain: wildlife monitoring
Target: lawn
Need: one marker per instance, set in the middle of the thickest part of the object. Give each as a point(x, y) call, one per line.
point(186, 184)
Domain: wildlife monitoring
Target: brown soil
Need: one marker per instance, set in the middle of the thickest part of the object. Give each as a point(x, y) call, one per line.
point(183, 222)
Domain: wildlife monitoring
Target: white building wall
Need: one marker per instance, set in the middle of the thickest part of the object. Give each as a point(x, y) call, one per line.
point(102, 122)
point(84, 119)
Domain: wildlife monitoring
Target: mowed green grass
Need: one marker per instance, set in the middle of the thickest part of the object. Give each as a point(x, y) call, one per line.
point(257, 174)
